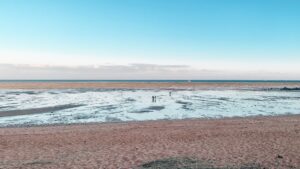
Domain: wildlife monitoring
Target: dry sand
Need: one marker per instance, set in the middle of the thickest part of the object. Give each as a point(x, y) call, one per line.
point(144, 85)
point(273, 142)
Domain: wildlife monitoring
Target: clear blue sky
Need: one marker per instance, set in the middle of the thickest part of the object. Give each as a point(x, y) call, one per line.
point(197, 33)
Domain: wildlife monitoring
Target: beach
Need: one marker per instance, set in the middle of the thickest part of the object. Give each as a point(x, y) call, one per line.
point(272, 142)
point(116, 125)
point(141, 84)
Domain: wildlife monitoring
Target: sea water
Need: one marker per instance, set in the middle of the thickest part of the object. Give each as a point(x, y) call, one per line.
point(112, 105)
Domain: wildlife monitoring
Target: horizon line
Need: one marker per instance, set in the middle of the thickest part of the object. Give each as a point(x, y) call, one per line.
point(181, 80)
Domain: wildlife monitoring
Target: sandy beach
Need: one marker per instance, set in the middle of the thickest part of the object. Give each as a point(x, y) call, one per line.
point(266, 141)
point(146, 85)
point(272, 142)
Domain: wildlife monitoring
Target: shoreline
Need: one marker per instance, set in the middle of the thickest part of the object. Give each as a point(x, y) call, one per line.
point(149, 121)
point(224, 142)
point(270, 141)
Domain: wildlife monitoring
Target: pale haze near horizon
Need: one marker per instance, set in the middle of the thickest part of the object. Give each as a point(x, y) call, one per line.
point(135, 39)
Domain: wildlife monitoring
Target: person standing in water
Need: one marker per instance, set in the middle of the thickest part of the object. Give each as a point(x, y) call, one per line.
point(154, 99)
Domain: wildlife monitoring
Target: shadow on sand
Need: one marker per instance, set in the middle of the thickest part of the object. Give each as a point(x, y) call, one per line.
point(189, 163)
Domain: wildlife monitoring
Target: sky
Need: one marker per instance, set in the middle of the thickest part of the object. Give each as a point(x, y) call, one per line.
point(150, 39)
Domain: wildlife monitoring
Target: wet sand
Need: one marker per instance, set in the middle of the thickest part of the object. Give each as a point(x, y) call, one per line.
point(36, 110)
point(148, 85)
point(272, 142)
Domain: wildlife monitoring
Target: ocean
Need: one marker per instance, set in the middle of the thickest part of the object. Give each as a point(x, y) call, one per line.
point(67, 106)
point(159, 81)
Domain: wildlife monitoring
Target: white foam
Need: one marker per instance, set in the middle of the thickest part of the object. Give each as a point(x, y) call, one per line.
point(127, 105)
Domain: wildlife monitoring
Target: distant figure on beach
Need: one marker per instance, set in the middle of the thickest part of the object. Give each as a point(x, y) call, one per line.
point(170, 93)
point(153, 98)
